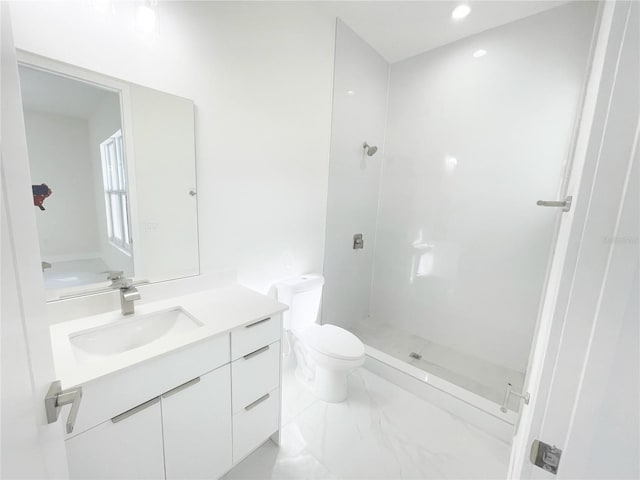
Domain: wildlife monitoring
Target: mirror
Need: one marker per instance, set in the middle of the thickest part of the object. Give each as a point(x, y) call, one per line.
point(114, 180)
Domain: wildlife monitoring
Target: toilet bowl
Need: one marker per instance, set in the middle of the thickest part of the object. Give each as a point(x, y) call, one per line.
point(324, 353)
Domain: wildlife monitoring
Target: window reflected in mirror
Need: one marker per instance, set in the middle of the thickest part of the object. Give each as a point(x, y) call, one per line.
point(114, 178)
point(77, 153)
point(113, 172)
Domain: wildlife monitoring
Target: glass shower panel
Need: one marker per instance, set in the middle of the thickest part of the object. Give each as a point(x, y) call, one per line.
point(476, 132)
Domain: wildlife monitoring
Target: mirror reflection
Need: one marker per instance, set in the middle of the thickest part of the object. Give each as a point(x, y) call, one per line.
point(113, 179)
point(79, 176)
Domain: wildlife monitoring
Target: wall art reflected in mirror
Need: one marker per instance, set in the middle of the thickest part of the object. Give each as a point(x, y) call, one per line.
point(113, 179)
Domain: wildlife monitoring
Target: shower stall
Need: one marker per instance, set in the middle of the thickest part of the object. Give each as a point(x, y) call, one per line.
point(470, 135)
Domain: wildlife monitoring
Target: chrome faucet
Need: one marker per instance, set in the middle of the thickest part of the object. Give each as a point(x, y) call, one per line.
point(128, 295)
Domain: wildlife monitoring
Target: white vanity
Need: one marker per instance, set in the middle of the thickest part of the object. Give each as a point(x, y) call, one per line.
point(185, 388)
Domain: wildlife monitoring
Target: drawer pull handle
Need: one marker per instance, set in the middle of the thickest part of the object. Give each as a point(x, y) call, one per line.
point(258, 322)
point(134, 410)
point(257, 352)
point(257, 402)
point(179, 388)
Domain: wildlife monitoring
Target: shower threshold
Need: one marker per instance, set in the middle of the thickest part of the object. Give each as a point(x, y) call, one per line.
point(470, 379)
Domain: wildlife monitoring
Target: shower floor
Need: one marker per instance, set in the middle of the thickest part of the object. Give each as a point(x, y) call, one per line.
point(469, 372)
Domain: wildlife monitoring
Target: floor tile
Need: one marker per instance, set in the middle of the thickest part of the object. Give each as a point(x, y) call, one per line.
point(380, 432)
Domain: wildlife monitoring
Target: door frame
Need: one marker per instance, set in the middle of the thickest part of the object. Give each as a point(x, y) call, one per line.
point(548, 340)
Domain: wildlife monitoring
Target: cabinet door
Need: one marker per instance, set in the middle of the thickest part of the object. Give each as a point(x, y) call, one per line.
point(196, 419)
point(128, 446)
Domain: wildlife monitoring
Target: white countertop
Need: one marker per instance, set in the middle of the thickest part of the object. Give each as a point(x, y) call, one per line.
point(220, 310)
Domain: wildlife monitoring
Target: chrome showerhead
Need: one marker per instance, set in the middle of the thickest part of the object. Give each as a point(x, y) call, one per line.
point(369, 149)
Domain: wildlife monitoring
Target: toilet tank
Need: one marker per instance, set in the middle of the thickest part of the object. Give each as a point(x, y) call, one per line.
point(302, 294)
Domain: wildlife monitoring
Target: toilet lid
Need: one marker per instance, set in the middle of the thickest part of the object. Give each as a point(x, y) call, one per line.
point(334, 341)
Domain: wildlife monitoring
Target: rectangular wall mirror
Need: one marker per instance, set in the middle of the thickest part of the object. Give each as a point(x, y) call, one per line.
point(113, 179)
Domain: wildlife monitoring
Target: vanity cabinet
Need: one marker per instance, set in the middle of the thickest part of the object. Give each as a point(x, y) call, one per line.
point(203, 410)
point(184, 433)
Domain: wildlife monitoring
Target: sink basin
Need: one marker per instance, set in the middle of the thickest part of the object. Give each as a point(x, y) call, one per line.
point(132, 332)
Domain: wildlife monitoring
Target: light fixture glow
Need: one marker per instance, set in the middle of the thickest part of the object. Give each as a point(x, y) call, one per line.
point(146, 19)
point(450, 163)
point(479, 53)
point(460, 12)
point(351, 93)
point(102, 6)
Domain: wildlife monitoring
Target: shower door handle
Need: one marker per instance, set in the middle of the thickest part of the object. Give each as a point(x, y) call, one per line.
point(564, 204)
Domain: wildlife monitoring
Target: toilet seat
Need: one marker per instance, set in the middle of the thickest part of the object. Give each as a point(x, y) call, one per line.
point(333, 341)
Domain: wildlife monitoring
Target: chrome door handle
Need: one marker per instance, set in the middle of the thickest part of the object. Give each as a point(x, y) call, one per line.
point(56, 398)
point(564, 204)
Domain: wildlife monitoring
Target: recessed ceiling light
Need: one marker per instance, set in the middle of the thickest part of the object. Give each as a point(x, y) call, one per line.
point(480, 53)
point(460, 12)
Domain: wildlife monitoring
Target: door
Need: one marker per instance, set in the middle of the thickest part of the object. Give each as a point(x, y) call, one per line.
point(30, 447)
point(585, 361)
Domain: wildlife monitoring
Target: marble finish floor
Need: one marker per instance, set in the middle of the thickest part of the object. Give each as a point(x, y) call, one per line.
point(380, 432)
point(471, 373)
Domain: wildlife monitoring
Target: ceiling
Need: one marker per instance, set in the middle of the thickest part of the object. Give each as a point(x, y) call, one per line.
point(402, 29)
point(45, 92)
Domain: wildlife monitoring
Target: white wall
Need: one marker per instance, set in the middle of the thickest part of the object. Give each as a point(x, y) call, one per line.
point(260, 76)
point(472, 144)
point(59, 154)
point(359, 115)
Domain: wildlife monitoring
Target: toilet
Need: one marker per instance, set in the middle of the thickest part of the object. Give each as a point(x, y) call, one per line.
point(324, 353)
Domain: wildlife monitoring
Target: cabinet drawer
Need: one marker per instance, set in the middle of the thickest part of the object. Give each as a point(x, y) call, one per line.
point(255, 423)
point(251, 337)
point(255, 374)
